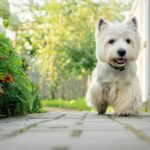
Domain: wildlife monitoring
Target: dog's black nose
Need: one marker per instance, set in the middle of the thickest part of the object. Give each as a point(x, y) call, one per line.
point(121, 52)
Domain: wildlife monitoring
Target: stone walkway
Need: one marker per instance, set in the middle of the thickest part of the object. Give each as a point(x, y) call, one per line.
point(75, 131)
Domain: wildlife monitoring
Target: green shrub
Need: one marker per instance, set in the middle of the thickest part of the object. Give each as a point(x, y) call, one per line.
point(15, 89)
point(36, 100)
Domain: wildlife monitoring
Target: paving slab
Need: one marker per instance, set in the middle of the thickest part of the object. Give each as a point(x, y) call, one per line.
point(75, 131)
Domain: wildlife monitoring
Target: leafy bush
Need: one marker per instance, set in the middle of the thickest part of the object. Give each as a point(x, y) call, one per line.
point(36, 100)
point(15, 89)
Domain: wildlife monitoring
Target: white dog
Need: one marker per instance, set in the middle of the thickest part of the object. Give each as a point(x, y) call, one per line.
point(114, 81)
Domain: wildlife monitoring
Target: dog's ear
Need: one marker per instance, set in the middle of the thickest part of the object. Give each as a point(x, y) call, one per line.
point(101, 23)
point(132, 22)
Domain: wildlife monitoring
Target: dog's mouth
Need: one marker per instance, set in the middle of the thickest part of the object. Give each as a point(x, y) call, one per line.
point(120, 61)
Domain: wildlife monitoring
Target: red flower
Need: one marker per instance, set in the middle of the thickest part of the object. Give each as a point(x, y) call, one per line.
point(8, 78)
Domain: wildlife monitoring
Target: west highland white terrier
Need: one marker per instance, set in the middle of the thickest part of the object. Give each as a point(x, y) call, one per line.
point(114, 80)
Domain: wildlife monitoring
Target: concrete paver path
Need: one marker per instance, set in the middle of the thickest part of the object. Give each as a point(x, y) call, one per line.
point(75, 131)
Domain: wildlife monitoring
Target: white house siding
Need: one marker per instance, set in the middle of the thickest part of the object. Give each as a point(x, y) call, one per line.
point(141, 9)
point(148, 46)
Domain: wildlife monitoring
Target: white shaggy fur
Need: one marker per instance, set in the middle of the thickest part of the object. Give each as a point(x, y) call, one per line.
point(110, 86)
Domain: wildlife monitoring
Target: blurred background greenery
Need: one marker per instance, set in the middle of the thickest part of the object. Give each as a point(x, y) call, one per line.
point(55, 41)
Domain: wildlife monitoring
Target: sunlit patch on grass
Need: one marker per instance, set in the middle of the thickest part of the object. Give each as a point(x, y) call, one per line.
point(110, 109)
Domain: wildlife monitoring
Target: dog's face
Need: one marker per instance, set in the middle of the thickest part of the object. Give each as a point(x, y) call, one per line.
point(117, 43)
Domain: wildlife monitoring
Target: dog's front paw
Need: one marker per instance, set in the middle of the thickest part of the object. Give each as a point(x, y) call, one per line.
point(101, 112)
point(127, 114)
point(102, 109)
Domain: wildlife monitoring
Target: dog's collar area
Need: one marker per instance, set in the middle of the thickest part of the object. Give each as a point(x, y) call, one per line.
point(117, 68)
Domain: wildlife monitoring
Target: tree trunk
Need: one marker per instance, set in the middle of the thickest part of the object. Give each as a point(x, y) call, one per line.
point(15, 39)
point(52, 94)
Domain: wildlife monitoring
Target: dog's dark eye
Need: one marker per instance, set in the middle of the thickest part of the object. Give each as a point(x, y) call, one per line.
point(111, 41)
point(128, 41)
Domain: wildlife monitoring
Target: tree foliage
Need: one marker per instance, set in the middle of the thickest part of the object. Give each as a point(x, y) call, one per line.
point(60, 37)
point(9, 20)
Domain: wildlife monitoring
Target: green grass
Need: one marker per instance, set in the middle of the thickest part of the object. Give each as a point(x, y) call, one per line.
point(78, 104)
point(75, 104)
